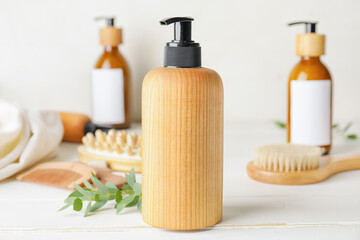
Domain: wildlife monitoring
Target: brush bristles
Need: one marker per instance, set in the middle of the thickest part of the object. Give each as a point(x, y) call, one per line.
point(113, 141)
point(287, 157)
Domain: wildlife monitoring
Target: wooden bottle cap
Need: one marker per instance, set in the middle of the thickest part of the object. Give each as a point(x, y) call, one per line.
point(110, 36)
point(310, 44)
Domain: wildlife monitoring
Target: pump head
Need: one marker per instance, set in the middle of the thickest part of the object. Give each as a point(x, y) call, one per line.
point(182, 29)
point(181, 52)
point(109, 20)
point(110, 35)
point(309, 43)
point(310, 27)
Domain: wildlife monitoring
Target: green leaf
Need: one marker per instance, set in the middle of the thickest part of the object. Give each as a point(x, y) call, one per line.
point(132, 173)
point(126, 187)
point(90, 195)
point(119, 208)
point(112, 188)
point(77, 205)
point(64, 207)
point(82, 191)
point(280, 124)
point(118, 196)
point(134, 202)
point(87, 184)
point(75, 194)
point(137, 188)
point(352, 136)
point(102, 188)
point(139, 204)
point(98, 205)
point(111, 185)
point(123, 203)
point(87, 210)
point(335, 125)
point(347, 127)
point(69, 200)
point(130, 178)
point(97, 197)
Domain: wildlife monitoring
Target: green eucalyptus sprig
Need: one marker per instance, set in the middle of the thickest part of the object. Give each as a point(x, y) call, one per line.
point(128, 196)
point(336, 127)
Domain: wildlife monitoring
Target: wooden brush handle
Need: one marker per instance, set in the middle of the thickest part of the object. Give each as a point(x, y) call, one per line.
point(342, 163)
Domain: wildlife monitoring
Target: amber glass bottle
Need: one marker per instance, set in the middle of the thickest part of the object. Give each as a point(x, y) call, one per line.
point(310, 94)
point(111, 82)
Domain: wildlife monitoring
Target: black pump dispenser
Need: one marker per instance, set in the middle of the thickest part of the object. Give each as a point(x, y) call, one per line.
point(310, 27)
point(181, 52)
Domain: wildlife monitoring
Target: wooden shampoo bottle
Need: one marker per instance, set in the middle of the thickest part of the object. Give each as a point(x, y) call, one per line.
point(182, 134)
point(111, 81)
point(310, 93)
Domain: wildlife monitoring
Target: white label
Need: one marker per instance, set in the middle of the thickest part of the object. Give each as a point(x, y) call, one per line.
point(310, 112)
point(108, 96)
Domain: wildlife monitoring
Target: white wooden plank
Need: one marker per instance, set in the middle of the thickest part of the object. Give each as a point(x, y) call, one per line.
point(41, 214)
point(327, 210)
point(249, 233)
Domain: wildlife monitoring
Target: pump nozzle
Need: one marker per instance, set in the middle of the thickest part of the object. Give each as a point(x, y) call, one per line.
point(310, 27)
point(109, 20)
point(182, 27)
point(181, 52)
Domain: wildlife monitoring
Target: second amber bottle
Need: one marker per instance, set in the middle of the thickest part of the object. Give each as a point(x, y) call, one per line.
point(310, 93)
point(111, 81)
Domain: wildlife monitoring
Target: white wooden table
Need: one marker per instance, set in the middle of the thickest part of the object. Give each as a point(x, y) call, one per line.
point(328, 210)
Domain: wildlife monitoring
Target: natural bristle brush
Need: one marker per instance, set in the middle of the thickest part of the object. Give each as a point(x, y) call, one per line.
point(120, 150)
point(291, 164)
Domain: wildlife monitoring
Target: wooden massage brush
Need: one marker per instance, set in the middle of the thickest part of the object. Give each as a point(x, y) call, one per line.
point(290, 164)
point(120, 150)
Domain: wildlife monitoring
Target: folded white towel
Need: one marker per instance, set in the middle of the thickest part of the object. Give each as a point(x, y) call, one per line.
point(26, 136)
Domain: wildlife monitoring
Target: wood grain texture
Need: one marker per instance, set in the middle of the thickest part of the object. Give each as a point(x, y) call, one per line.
point(328, 166)
point(182, 128)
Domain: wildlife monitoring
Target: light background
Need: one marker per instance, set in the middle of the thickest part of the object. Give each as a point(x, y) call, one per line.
point(48, 47)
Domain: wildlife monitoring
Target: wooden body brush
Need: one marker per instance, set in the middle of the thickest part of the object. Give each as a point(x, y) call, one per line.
point(120, 150)
point(290, 164)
